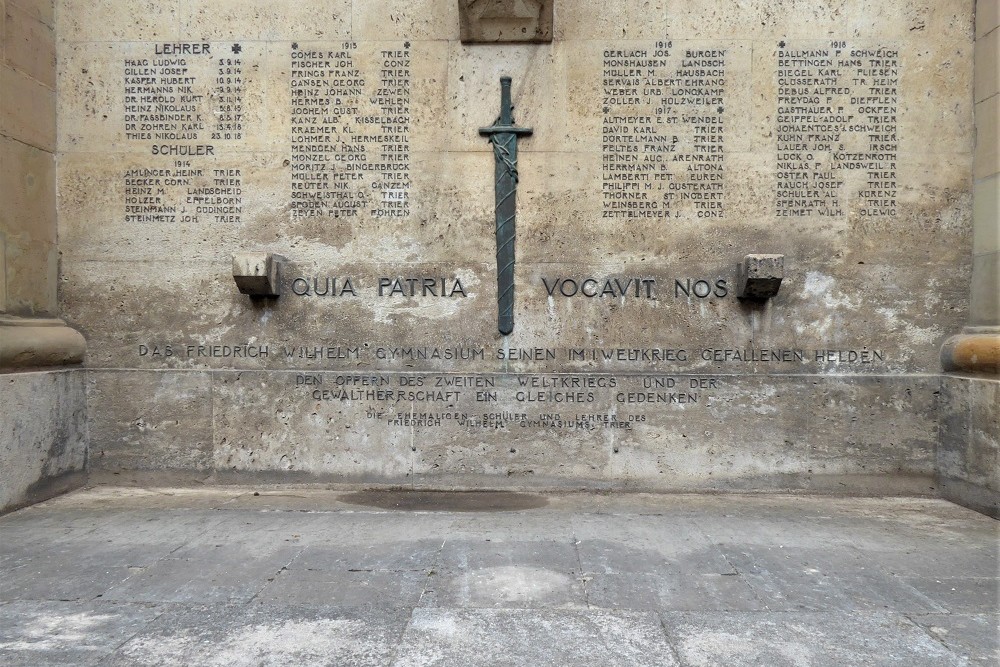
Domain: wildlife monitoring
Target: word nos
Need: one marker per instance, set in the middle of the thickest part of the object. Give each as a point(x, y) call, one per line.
point(387, 286)
point(634, 288)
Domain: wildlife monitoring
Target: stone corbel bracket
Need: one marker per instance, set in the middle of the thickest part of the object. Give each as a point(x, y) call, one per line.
point(29, 342)
point(496, 21)
point(758, 277)
point(258, 274)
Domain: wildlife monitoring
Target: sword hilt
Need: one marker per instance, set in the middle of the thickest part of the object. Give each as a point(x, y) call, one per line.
point(505, 123)
point(506, 107)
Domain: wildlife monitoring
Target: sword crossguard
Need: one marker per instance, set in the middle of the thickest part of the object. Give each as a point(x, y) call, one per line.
point(505, 123)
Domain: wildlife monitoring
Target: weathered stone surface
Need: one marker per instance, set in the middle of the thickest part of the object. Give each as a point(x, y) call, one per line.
point(50, 633)
point(29, 45)
point(986, 213)
point(150, 420)
point(584, 577)
point(967, 634)
point(28, 188)
point(3, 272)
point(27, 110)
point(704, 639)
point(987, 156)
point(493, 21)
point(969, 442)
point(30, 342)
point(257, 273)
point(987, 81)
point(484, 637)
point(759, 276)
point(336, 586)
point(43, 437)
point(43, 10)
point(670, 139)
point(80, 20)
point(985, 300)
point(623, 431)
point(972, 353)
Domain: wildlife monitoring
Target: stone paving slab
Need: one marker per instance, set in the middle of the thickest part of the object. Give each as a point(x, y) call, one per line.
point(741, 639)
point(250, 636)
point(220, 576)
point(514, 637)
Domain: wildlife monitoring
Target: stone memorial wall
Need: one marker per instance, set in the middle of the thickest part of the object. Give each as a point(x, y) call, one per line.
point(670, 139)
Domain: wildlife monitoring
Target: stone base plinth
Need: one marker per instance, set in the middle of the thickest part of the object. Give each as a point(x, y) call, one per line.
point(43, 435)
point(31, 342)
point(974, 351)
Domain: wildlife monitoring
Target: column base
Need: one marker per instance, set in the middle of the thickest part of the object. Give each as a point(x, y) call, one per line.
point(975, 350)
point(27, 342)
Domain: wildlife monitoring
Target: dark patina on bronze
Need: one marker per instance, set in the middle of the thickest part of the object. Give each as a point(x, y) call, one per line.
point(503, 135)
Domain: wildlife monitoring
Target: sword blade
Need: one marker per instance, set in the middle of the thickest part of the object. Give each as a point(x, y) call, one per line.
point(506, 227)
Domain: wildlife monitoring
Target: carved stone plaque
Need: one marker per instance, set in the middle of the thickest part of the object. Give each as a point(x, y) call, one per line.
point(488, 21)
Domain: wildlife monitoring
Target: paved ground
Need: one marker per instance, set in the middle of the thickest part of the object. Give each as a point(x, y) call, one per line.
point(300, 577)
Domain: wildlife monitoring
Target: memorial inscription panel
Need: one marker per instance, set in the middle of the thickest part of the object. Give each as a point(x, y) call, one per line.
point(661, 155)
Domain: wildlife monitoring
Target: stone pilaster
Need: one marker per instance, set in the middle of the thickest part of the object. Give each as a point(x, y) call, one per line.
point(977, 348)
point(29, 260)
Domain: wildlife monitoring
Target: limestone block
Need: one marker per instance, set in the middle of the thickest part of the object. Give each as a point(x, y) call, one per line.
point(820, 436)
point(31, 342)
point(615, 19)
point(307, 20)
point(987, 16)
point(43, 436)
point(987, 75)
point(29, 45)
point(968, 448)
point(262, 413)
point(984, 309)
point(987, 156)
point(104, 21)
point(984, 430)
point(257, 273)
point(941, 77)
point(27, 110)
point(759, 276)
point(505, 21)
point(91, 185)
point(32, 276)
point(765, 19)
point(142, 420)
point(986, 199)
point(417, 20)
point(3, 272)
point(278, 422)
point(28, 190)
point(43, 10)
point(450, 197)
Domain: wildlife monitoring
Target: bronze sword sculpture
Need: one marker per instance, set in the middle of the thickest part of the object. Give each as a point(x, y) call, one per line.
point(503, 135)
